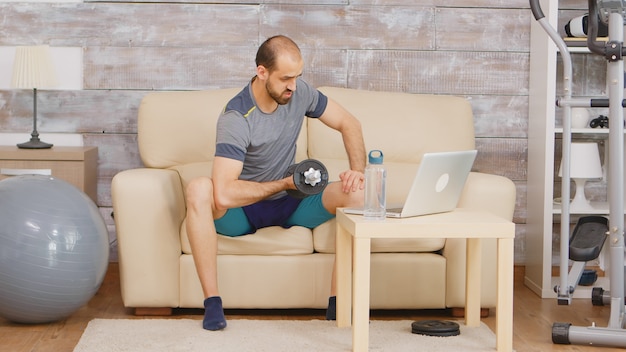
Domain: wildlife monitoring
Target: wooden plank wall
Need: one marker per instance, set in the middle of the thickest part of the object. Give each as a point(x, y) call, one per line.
point(473, 48)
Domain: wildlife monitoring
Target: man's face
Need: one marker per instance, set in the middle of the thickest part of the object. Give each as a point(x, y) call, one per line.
point(281, 82)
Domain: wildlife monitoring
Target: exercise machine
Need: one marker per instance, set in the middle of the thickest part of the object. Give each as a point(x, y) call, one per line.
point(612, 13)
point(585, 245)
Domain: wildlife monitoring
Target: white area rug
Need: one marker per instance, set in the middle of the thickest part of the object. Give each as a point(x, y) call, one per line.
point(154, 335)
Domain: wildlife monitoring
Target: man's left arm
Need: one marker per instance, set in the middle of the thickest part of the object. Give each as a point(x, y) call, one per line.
point(338, 118)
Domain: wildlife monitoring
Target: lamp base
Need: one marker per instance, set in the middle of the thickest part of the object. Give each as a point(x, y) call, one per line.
point(34, 143)
point(580, 204)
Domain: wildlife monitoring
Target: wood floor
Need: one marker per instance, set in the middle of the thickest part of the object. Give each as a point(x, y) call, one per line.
point(533, 318)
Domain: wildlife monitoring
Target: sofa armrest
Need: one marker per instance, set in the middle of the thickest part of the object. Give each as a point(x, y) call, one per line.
point(495, 194)
point(149, 208)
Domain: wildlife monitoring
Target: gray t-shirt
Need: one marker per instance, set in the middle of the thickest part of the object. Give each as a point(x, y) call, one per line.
point(265, 143)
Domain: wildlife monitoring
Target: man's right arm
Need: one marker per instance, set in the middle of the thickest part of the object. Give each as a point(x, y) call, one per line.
point(231, 192)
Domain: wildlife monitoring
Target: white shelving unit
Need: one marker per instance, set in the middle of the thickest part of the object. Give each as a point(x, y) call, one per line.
point(542, 136)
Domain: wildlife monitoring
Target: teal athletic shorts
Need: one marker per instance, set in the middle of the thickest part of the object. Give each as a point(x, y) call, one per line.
point(286, 212)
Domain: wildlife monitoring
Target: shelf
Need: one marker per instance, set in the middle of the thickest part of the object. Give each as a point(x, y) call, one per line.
point(600, 208)
point(543, 136)
point(585, 130)
point(579, 45)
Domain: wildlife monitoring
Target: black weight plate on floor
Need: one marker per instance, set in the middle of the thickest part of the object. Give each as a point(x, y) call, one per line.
point(435, 328)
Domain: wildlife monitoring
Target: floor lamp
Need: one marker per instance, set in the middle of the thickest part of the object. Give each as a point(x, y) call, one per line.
point(585, 164)
point(33, 69)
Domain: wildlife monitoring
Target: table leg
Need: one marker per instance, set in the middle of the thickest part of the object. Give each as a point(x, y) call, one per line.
point(472, 282)
point(343, 267)
point(361, 294)
point(504, 303)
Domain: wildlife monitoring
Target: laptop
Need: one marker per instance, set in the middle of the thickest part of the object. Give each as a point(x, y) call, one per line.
point(437, 185)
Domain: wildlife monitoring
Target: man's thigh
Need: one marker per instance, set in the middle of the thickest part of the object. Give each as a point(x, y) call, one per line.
point(234, 223)
point(310, 213)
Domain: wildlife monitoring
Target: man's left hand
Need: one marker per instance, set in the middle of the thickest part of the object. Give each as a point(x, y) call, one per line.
point(352, 181)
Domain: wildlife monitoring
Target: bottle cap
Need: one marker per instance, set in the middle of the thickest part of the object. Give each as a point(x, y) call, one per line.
point(375, 157)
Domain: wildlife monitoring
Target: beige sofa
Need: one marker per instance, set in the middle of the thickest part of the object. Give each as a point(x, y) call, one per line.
point(291, 268)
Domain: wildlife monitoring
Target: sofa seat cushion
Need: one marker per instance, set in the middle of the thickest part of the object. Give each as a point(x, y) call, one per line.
point(268, 241)
point(273, 240)
point(324, 242)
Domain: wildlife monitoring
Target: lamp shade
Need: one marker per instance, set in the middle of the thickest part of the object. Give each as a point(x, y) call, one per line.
point(585, 161)
point(33, 68)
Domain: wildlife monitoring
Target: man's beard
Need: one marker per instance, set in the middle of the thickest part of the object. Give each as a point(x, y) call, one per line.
point(278, 97)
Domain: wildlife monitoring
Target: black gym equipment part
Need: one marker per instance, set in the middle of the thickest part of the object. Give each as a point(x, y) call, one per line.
point(600, 121)
point(588, 278)
point(560, 333)
point(585, 244)
point(588, 238)
point(435, 328)
point(310, 177)
point(599, 298)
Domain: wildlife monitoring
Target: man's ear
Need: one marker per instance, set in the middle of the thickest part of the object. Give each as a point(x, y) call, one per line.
point(262, 72)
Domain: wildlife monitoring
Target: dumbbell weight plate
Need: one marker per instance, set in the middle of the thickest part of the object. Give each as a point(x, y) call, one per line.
point(435, 328)
point(304, 189)
point(299, 177)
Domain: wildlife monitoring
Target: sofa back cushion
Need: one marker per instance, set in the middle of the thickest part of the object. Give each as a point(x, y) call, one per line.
point(178, 128)
point(403, 125)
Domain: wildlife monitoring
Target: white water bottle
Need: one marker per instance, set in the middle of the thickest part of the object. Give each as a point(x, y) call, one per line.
point(375, 187)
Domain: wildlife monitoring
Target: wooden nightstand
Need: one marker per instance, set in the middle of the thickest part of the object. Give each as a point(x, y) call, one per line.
point(76, 165)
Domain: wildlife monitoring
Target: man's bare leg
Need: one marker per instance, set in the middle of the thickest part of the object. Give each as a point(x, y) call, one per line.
point(332, 199)
point(203, 240)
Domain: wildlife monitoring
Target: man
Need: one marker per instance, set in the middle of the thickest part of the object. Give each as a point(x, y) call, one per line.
point(256, 143)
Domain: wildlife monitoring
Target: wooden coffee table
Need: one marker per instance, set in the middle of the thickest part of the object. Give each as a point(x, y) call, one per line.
point(354, 234)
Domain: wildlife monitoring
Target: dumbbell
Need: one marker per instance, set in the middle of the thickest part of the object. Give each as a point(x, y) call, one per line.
point(310, 177)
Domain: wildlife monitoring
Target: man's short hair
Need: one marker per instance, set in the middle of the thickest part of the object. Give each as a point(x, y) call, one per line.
point(271, 48)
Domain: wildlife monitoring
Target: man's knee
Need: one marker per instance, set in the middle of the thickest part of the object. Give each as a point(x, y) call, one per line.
point(199, 190)
point(335, 197)
point(355, 199)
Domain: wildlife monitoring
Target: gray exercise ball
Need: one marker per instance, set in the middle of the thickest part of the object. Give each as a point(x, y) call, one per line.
point(54, 249)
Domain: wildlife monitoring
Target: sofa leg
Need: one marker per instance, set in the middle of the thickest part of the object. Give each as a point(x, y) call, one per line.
point(153, 311)
point(460, 312)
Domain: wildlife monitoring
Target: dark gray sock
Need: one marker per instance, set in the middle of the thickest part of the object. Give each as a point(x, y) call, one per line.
point(213, 314)
point(331, 311)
